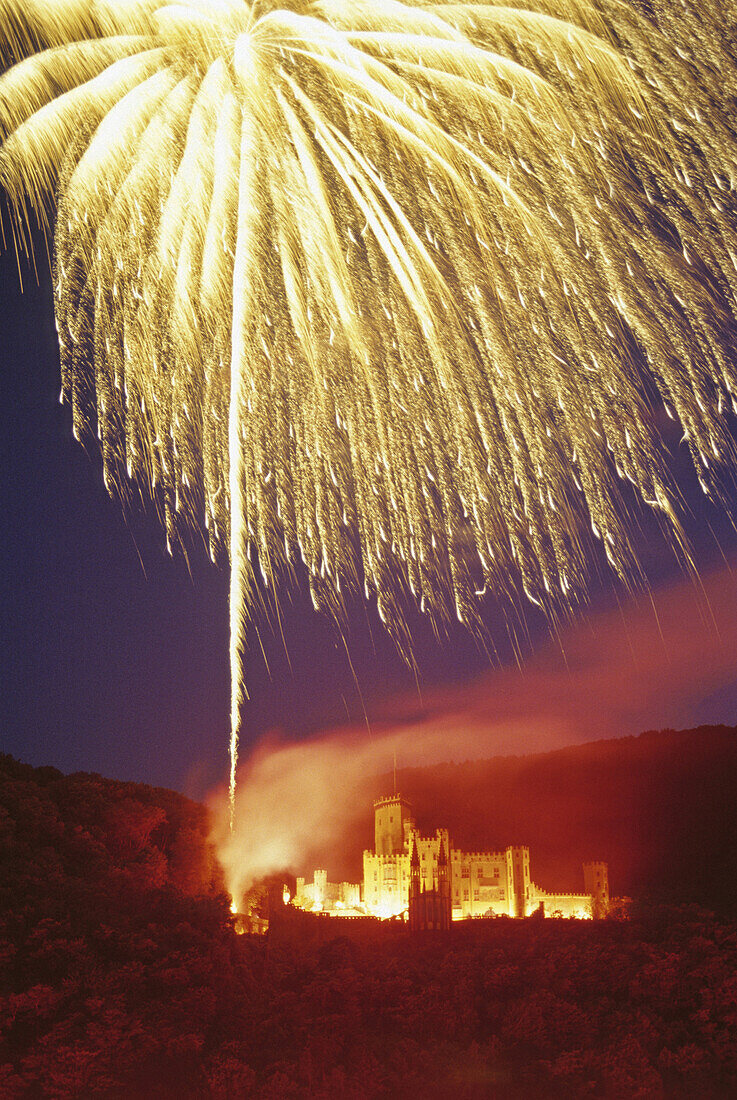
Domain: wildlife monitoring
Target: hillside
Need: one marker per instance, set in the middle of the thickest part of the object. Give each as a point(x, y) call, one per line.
point(113, 924)
point(121, 976)
point(660, 808)
point(96, 835)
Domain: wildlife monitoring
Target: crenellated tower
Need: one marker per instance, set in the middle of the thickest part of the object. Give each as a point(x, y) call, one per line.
point(596, 883)
point(393, 821)
point(518, 873)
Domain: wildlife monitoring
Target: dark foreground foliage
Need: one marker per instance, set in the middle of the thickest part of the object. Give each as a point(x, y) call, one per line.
point(122, 976)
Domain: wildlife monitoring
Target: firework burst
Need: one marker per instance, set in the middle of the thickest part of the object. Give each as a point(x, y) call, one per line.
point(382, 286)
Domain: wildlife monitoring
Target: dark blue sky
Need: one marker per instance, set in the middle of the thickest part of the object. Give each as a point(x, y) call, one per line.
point(115, 657)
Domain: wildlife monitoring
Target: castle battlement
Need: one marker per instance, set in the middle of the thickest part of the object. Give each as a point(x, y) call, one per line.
point(490, 856)
point(554, 894)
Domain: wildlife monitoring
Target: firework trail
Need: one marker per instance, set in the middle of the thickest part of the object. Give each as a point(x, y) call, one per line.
point(393, 288)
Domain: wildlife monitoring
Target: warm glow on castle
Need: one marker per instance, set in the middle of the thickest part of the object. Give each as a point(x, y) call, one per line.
point(430, 882)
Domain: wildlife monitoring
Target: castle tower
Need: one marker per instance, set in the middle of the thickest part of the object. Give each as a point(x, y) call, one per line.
point(518, 877)
point(321, 888)
point(392, 818)
point(596, 883)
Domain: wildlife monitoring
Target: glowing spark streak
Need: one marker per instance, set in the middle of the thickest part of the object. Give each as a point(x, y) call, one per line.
point(240, 566)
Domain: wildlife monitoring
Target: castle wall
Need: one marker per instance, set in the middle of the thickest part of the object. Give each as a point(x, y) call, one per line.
point(350, 894)
point(325, 897)
point(479, 884)
point(561, 905)
point(385, 883)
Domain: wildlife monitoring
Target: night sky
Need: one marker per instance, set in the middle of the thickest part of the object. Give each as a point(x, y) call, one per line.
point(115, 655)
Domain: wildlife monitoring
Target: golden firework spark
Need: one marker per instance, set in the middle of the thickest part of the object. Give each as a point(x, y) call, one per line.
point(382, 285)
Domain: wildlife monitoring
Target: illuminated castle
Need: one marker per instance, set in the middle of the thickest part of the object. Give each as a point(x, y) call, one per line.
point(431, 881)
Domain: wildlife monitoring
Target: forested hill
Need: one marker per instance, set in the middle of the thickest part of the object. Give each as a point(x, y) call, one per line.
point(660, 808)
point(114, 935)
point(79, 844)
point(88, 833)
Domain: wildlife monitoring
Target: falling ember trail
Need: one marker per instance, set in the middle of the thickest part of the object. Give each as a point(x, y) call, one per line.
point(385, 287)
point(240, 565)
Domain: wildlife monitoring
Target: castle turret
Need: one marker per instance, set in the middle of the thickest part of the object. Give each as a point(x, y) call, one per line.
point(415, 890)
point(596, 883)
point(444, 904)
